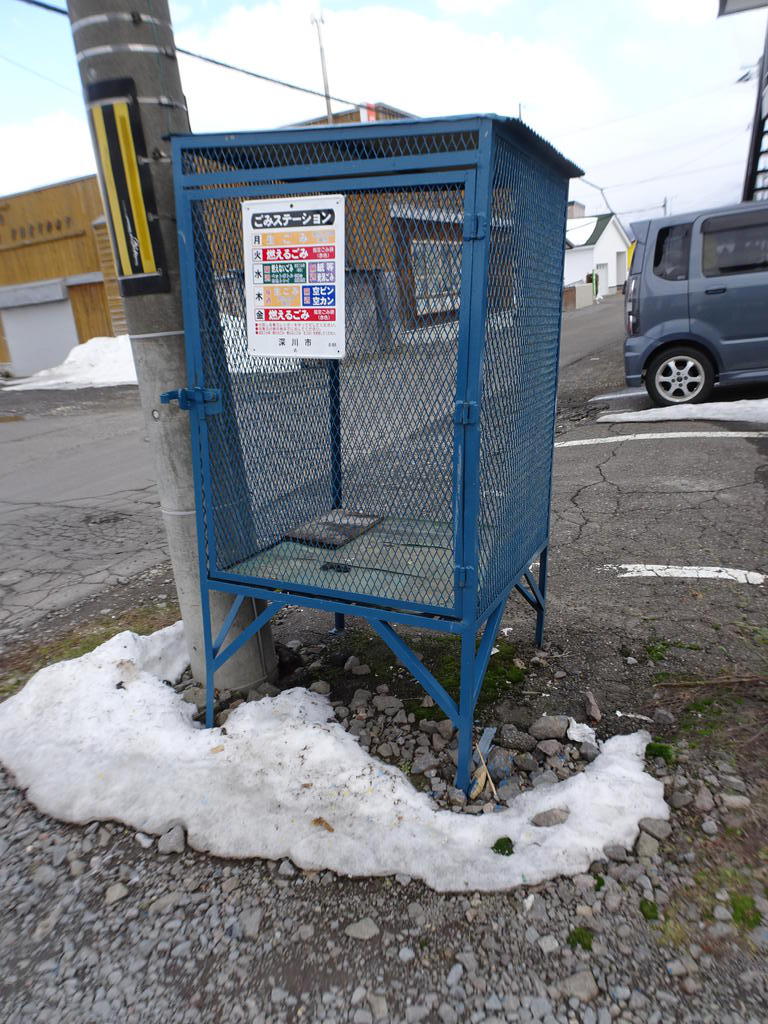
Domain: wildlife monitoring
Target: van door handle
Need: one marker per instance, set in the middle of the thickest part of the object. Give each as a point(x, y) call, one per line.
point(715, 291)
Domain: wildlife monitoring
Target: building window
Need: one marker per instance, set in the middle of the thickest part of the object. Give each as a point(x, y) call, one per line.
point(735, 244)
point(435, 266)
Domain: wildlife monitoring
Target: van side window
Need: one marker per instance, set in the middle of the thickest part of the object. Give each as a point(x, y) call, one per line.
point(735, 244)
point(670, 257)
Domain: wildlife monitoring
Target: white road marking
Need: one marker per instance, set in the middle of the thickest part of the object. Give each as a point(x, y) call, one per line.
point(616, 438)
point(689, 572)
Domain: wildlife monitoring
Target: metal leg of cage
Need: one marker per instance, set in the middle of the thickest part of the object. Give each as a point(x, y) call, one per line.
point(216, 654)
point(535, 593)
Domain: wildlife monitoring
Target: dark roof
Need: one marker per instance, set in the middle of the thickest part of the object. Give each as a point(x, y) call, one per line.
point(600, 225)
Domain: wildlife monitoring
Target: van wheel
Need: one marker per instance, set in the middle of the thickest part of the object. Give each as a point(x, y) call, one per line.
point(678, 376)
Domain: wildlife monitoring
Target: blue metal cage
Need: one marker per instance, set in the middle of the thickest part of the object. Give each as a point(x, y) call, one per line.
point(409, 482)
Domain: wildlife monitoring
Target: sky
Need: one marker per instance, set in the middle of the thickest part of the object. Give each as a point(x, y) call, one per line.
point(640, 93)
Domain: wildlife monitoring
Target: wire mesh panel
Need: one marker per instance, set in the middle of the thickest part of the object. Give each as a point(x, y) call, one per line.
point(339, 475)
point(520, 365)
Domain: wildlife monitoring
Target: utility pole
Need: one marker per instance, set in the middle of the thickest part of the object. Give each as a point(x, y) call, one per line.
point(132, 90)
point(664, 206)
point(317, 21)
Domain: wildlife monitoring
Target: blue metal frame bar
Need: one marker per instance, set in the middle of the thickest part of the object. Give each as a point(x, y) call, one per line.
point(435, 690)
point(227, 624)
point(250, 630)
point(314, 172)
point(343, 595)
point(438, 623)
point(321, 133)
point(357, 184)
point(484, 650)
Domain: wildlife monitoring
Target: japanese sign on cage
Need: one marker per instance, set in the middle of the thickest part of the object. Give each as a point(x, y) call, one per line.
point(294, 276)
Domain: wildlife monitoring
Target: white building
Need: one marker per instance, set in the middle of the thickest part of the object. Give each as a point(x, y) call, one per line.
point(595, 244)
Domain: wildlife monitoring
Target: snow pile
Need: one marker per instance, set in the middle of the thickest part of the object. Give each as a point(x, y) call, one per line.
point(748, 410)
point(98, 363)
point(103, 737)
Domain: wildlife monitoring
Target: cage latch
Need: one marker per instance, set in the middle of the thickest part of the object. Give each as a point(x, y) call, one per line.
point(463, 575)
point(209, 399)
point(466, 413)
point(474, 227)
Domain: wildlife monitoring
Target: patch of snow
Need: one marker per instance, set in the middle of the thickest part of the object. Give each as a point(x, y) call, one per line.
point(688, 572)
point(286, 780)
point(748, 410)
point(98, 363)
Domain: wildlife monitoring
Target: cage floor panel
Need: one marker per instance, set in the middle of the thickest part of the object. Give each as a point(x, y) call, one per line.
point(397, 559)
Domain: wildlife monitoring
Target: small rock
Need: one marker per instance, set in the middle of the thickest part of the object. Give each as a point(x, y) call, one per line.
point(250, 922)
point(526, 762)
point(512, 714)
point(305, 932)
point(144, 840)
point(550, 727)
point(704, 800)
point(286, 869)
point(172, 841)
point(378, 1005)
point(656, 827)
point(647, 846)
point(550, 747)
point(165, 902)
point(500, 763)
point(365, 929)
point(512, 738)
point(406, 954)
point(359, 699)
point(116, 891)
point(424, 761)
point(680, 798)
point(454, 975)
point(352, 662)
point(581, 985)
point(548, 944)
point(360, 670)
point(447, 1014)
point(662, 717)
point(195, 695)
point(320, 686)
point(591, 706)
point(616, 853)
point(588, 751)
point(709, 827)
point(44, 875)
point(631, 661)
point(446, 728)
point(735, 802)
point(554, 816)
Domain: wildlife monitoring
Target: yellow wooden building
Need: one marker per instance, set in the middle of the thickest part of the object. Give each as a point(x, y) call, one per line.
point(58, 284)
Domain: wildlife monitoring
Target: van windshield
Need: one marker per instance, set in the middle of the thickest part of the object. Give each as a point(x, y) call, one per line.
point(670, 257)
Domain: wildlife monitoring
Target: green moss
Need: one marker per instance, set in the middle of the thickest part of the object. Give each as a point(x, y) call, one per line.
point(504, 846)
point(657, 650)
point(743, 910)
point(581, 937)
point(599, 883)
point(686, 647)
point(663, 750)
point(649, 910)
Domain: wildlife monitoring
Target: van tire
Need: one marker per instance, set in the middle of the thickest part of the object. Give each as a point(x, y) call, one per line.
point(688, 371)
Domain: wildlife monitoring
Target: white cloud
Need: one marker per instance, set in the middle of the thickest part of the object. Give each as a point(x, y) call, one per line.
point(483, 7)
point(53, 147)
point(689, 12)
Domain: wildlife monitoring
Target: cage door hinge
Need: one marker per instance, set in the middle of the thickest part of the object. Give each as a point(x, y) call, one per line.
point(475, 227)
point(466, 413)
point(464, 576)
point(207, 399)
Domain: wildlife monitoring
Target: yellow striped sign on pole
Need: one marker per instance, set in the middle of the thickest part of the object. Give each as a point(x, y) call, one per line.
point(127, 187)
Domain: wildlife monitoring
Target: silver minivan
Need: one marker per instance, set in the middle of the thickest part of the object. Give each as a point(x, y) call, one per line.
point(696, 303)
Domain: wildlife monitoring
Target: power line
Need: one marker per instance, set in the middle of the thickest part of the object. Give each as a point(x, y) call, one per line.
point(219, 63)
point(678, 145)
point(37, 74)
point(675, 174)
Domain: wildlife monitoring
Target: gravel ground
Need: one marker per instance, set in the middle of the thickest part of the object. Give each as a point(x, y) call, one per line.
point(102, 924)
